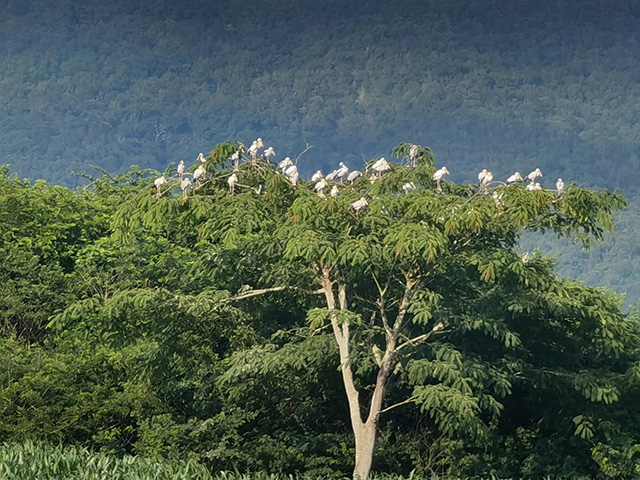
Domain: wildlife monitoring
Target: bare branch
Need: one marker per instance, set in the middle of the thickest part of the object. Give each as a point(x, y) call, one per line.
point(262, 291)
point(309, 147)
point(410, 285)
point(414, 342)
point(408, 400)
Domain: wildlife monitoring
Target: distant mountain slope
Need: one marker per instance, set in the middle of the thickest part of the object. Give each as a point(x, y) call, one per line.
point(486, 84)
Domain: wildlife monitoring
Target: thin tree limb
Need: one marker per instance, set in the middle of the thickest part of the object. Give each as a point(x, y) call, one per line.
point(408, 400)
point(414, 342)
point(309, 147)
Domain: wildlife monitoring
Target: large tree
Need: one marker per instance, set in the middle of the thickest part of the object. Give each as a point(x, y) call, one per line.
point(427, 297)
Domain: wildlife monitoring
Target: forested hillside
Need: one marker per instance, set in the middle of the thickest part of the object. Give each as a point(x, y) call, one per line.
point(499, 85)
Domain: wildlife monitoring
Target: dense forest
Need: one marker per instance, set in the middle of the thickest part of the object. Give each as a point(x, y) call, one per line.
point(225, 323)
point(498, 85)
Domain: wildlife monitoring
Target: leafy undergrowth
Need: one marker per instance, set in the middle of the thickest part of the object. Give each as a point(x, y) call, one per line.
point(29, 461)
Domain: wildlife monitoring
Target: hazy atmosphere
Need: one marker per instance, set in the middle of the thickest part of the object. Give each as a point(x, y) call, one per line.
point(488, 84)
point(90, 90)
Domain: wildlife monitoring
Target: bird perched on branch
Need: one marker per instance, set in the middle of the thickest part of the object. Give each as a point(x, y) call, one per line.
point(335, 191)
point(184, 185)
point(290, 170)
point(408, 187)
point(199, 174)
point(253, 149)
point(232, 180)
point(316, 176)
point(293, 177)
point(533, 175)
point(284, 164)
point(320, 186)
point(515, 178)
point(181, 169)
point(438, 177)
point(269, 152)
point(331, 177)
point(201, 158)
point(413, 155)
point(342, 171)
point(236, 159)
point(484, 177)
point(353, 176)
point(359, 204)
point(380, 166)
point(159, 183)
point(560, 186)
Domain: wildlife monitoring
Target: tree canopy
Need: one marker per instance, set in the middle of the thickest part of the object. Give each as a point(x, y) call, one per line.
point(268, 326)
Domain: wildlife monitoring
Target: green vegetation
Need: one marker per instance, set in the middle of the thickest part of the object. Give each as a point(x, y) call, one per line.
point(225, 328)
point(487, 84)
point(29, 461)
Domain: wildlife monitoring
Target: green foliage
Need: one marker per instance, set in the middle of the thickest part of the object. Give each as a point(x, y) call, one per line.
point(195, 328)
point(36, 460)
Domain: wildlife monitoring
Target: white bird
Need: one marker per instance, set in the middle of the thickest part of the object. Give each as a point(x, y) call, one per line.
point(498, 199)
point(269, 152)
point(342, 171)
point(525, 257)
point(236, 159)
point(321, 185)
point(353, 176)
point(181, 169)
point(253, 150)
point(334, 191)
point(284, 164)
point(331, 177)
point(485, 177)
point(293, 178)
point(259, 142)
point(316, 176)
point(559, 185)
point(381, 166)
point(515, 177)
point(232, 180)
point(534, 186)
point(290, 170)
point(533, 175)
point(438, 176)
point(201, 158)
point(359, 204)
point(413, 154)
point(408, 187)
point(199, 174)
point(184, 185)
point(159, 183)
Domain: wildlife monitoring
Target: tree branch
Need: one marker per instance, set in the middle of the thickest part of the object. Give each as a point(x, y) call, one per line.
point(410, 285)
point(408, 400)
point(262, 291)
point(309, 147)
point(414, 342)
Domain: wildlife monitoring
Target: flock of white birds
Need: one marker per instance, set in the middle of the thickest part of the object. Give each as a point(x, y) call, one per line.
point(333, 180)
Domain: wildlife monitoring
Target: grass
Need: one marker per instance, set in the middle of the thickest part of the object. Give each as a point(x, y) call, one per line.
point(31, 461)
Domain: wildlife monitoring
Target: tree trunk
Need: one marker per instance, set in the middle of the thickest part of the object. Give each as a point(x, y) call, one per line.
point(365, 444)
point(364, 432)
